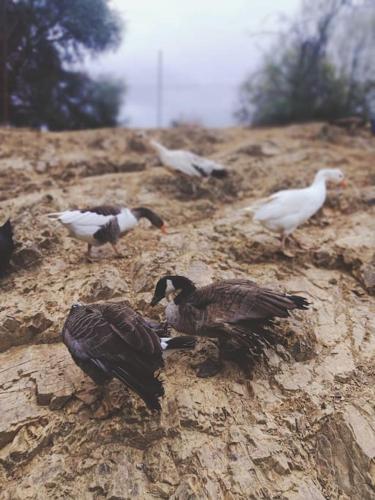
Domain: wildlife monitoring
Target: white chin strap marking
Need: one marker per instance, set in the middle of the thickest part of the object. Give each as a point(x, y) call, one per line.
point(170, 291)
point(169, 288)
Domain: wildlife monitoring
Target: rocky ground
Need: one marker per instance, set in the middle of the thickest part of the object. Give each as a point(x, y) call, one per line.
point(303, 427)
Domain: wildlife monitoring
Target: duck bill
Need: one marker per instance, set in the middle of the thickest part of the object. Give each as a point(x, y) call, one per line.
point(344, 183)
point(163, 229)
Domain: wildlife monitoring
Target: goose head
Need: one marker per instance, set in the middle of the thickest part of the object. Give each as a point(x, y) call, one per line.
point(172, 286)
point(142, 212)
point(81, 308)
point(75, 306)
point(141, 134)
point(333, 175)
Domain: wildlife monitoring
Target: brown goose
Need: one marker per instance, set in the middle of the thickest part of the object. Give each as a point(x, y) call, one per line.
point(112, 340)
point(237, 312)
point(104, 224)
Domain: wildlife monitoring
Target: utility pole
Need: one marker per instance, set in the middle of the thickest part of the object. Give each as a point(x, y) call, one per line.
point(159, 90)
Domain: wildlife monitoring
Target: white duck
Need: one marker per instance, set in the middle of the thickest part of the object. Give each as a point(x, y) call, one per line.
point(104, 224)
point(285, 210)
point(187, 162)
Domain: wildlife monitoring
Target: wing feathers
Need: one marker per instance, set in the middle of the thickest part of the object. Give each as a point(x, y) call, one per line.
point(149, 389)
point(81, 218)
point(189, 163)
point(112, 340)
point(236, 302)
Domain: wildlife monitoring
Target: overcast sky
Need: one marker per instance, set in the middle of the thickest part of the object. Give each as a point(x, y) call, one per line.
point(207, 51)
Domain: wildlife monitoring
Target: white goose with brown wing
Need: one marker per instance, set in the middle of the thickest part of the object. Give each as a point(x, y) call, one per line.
point(104, 224)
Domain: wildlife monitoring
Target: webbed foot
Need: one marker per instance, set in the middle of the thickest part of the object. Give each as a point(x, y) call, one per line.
point(209, 368)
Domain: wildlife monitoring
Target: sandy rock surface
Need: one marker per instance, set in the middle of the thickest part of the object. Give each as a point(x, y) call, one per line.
point(303, 427)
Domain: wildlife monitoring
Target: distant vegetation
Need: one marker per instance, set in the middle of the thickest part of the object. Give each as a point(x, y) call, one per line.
point(41, 42)
point(321, 68)
point(186, 122)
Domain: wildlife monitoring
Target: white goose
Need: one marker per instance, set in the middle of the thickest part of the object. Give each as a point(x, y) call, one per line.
point(285, 210)
point(187, 162)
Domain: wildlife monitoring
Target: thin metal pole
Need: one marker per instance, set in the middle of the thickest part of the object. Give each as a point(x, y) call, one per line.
point(159, 97)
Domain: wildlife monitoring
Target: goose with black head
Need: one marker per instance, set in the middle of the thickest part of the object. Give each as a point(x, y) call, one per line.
point(105, 224)
point(237, 312)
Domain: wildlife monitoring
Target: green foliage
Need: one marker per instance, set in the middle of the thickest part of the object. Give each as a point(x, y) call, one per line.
point(75, 102)
point(45, 39)
point(300, 81)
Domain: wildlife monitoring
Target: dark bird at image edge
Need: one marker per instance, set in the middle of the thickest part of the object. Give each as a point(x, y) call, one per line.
point(6, 246)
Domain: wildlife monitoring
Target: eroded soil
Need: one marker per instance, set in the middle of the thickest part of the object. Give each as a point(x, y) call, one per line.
point(303, 427)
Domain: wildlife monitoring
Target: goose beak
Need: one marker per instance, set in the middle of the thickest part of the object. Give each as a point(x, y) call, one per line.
point(163, 229)
point(343, 183)
point(153, 302)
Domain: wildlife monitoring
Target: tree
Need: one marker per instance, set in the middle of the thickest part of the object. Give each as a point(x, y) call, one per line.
point(44, 40)
point(303, 78)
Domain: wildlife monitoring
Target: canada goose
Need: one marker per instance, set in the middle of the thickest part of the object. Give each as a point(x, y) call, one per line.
point(188, 163)
point(6, 245)
point(112, 340)
point(104, 224)
point(236, 309)
point(285, 210)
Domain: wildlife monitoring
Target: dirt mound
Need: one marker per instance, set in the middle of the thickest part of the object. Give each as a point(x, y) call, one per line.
point(301, 428)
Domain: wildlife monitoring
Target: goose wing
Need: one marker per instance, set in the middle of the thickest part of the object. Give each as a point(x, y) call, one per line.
point(85, 217)
point(111, 340)
point(180, 160)
point(192, 164)
point(200, 165)
point(234, 301)
point(204, 166)
point(133, 329)
point(282, 203)
point(88, 222)
point(104, 210)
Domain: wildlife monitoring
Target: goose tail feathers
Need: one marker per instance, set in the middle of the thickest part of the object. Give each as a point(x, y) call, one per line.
point(150, 390)
point(183, 342)
point(54, 215)
point(219, 173)
point(256, 205)
point(300, 302)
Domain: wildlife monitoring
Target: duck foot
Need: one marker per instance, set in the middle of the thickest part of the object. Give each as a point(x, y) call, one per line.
point(209, 368)
point(287, 252)
point(104, 409)
point(89, 256)
point(283, 250)
point(118, 254)
point(240, 357)
point(298, 243)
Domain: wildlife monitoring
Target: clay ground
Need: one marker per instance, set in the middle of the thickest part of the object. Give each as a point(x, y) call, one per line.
point(303, 427)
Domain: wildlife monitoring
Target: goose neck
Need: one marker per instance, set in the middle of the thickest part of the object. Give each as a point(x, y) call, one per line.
point(319, 180)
